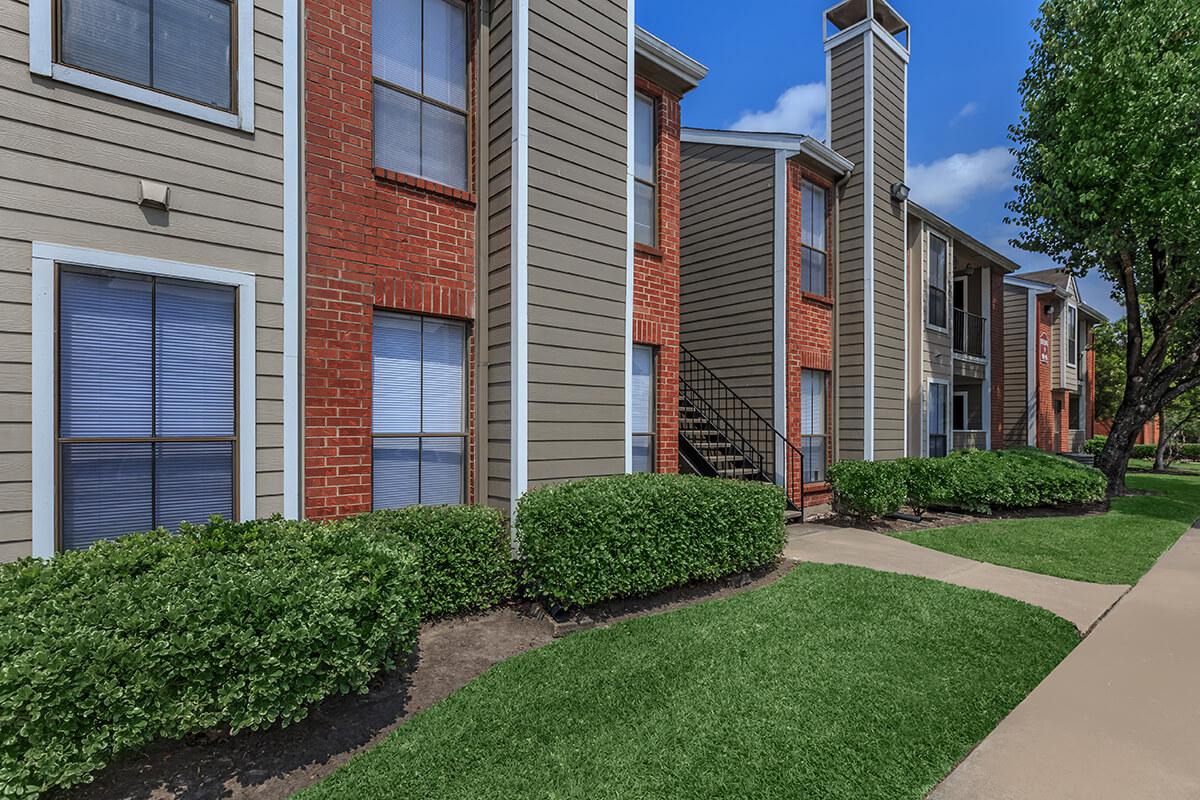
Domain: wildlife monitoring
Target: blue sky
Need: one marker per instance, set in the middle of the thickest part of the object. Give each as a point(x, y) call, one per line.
point(767, 70)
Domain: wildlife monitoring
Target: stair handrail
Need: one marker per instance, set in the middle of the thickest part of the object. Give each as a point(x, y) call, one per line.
point(793, 488)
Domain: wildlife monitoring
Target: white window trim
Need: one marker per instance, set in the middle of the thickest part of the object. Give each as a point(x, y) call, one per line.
point(41, 62)
point(931, 234)
point(1070, 354)
point(46, 259)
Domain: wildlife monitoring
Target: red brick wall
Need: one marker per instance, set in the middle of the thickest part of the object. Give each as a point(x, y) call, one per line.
point(656, 282)
point(996, 313)
point(809, 324)
point(1090, 388)
point(1045, 400)
point(373, 240)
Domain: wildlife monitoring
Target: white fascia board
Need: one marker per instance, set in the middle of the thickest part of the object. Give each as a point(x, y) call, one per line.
point(795, 143)
point(634, 35)
point(293, 254)
point(519, 257)
point(854, 31)
point(689, 71)
point(869, 249)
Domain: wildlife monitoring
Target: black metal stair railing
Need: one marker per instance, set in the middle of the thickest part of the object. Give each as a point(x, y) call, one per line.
point(746, 439)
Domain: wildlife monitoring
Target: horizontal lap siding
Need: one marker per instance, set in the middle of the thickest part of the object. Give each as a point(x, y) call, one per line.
point(577, 239)
point(727, 266)
point(499, 249)
point(72, 160)
point(889, 254)
point(849, 129)
point(1016, 365)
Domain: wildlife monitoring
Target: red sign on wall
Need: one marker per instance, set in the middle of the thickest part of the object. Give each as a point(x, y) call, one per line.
point(1044, 347)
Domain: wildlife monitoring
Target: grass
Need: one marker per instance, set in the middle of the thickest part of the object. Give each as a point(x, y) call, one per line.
point(1117, 547)
point(1181, 466)
point(835, 682)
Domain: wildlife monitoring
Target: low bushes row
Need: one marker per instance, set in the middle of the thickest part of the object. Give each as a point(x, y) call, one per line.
point(971, 480)
point(632, 535)
point(1189, 451)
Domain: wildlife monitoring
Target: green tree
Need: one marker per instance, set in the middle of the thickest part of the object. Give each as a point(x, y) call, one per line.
point(1108, 174)
point(1175, 423)
point(1110, 368)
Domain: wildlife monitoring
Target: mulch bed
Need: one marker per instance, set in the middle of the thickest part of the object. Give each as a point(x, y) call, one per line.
point(277, 762)
point(946, 519)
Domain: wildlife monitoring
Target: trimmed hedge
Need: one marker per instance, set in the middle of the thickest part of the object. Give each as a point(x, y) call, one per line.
point(464, 554)
point(865, 490)
point(632, 535)
point(154, 635)
point(969, 480)
point(1190, 451)
point(1095, 445)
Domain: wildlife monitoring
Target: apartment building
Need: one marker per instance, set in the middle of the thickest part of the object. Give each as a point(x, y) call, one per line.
point(144, 266)
point(262, 261)
point(1049, 362)
point(492, 244)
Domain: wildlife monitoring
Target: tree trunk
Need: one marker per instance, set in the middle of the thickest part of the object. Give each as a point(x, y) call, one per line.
point(1114, 459)
point(1160, 451)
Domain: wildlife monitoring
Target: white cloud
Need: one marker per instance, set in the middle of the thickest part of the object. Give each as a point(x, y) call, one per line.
point(969, 110)
point(947, 184)
point(800, 109)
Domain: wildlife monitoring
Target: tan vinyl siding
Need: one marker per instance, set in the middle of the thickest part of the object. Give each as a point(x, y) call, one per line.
point(889, 254)
point(1016, 365)
point(577, 239)
point(848, 124)
point(727, 265)
point(498, 477)
point(916, 333)
point(73, 158)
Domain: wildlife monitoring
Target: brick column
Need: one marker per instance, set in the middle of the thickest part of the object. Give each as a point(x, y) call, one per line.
point(656, 282)
point(1045, 399)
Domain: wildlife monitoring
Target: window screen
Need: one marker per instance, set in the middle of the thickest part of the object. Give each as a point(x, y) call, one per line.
point(645, 172)
point(814, 247)
point(418, 411)
point(146, 405)
point(938, 277)
point(180, 47)
point(813, 397)
point(643, 409)
point(419, 60)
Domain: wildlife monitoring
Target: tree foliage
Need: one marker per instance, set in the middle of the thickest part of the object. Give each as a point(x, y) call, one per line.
point(1108, 172)
point(1110, 368)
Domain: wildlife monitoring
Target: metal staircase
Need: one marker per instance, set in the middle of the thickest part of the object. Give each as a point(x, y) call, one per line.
point(721, 435)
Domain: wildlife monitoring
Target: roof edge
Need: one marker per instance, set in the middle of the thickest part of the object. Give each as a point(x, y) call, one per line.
point(689, 71)
point(1004, 261)
point(794, 143)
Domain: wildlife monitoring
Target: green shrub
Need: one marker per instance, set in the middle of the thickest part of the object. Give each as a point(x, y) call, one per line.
point(154, 635)
point(925, 482)
point(1145, 450)
point(865, 490)
point(1190, 451)
point(1095, 445)
point(464, 553)
point(981, 481)
point(629, 535)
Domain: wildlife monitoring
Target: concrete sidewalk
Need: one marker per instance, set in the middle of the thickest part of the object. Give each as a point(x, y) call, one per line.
point(1081, 603)
point(1119, 718)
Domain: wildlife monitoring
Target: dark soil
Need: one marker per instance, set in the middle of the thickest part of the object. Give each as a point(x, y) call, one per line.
point(277, 762)
point(945, 519)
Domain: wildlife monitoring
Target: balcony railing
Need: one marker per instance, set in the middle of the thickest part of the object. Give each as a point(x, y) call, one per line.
point(970, 334)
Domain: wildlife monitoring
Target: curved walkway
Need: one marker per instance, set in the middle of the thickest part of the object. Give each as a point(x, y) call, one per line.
point(1081, 603)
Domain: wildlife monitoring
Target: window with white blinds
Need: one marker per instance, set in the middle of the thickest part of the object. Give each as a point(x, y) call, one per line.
point(178, 47)
point(814, 243)
point(418, 397)
point(146, 409)
point(419, 58)
point(813, 441)
point(645, 171)
point(939, 440)
point(643, 408)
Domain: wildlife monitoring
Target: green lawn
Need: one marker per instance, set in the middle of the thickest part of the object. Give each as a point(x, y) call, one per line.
point(1117, 547)
point(835, 682)
point(1182, 466)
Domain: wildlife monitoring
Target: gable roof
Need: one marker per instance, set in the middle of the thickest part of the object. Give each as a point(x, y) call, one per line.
point(1051, 277)
point(1005, 263)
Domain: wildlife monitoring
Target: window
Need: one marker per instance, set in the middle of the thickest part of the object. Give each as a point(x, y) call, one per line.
point(1072, 336)
point(813, 396)
point(814, 247)
point(939, 443)
point(418, 411)
point(146, 410)
point(643, 408)
point(938, 249)
point(419, 61)
point(645, 171)
point(1074, 421)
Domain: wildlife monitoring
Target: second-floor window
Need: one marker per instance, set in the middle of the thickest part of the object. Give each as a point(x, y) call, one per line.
point(419, 62)
point(938, 277)
point(814, 247)
point(1072, 336)
point(177, 47)
point(645, 172)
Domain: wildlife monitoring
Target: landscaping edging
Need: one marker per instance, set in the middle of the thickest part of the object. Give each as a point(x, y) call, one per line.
point(450, 652)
